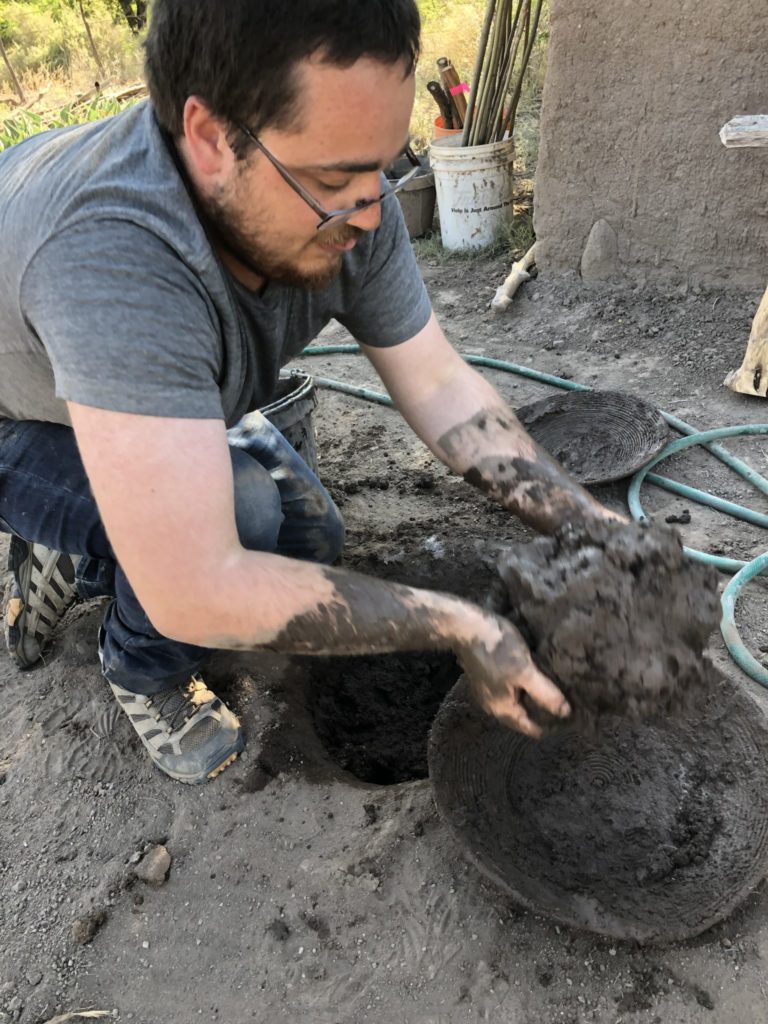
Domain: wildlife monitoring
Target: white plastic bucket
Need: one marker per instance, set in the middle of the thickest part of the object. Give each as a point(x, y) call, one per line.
point(474, 190)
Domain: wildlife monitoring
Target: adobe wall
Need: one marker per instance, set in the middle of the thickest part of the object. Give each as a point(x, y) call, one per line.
point(636, 93)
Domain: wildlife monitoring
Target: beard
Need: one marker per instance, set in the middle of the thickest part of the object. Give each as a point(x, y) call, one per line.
point(246, 245)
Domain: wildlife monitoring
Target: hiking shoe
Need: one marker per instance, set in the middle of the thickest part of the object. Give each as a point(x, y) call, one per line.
point(189, 732)
point(41, 591)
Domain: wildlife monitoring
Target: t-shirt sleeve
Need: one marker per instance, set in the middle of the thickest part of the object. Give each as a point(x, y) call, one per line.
point(392, 304)
point(125, 322)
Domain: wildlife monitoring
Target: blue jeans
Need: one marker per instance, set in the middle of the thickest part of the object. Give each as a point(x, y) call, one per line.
point(45, 498)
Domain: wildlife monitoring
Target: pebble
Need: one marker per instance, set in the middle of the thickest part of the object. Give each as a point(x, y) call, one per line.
point(84, 928)
point(154, 867)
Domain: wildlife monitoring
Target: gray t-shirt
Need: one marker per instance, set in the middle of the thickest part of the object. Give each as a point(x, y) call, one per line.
point(111, 295)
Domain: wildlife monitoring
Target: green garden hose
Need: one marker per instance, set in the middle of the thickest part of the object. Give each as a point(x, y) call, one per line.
point(736, 646)
point(745, 571)
point(703, 438)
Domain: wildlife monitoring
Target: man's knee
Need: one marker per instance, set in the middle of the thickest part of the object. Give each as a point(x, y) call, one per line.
point(258, 510)
point(324, 538)
point(335, 533)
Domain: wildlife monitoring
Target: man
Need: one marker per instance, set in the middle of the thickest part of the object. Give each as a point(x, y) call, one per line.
point(157, 269)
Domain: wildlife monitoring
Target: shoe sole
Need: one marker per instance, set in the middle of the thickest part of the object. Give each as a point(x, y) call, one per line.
point(224, 765)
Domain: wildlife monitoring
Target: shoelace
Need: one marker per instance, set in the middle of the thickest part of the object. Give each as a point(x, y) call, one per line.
point(174, 707)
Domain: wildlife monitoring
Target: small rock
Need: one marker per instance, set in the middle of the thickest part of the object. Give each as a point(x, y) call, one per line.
point(35, 978)
point(726, 943)
point(84, 928)
point(154, 866)
point(134, 858)
point(600, 260)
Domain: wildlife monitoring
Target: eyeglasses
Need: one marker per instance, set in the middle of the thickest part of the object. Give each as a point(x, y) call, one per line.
point(328, 218)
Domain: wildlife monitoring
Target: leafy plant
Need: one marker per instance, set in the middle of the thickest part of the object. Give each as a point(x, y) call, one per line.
point(25, 123)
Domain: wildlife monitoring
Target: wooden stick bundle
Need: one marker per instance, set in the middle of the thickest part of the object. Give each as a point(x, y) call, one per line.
point(506, 44)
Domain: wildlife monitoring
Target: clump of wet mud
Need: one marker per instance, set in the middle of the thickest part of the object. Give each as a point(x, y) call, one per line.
point(618, 617)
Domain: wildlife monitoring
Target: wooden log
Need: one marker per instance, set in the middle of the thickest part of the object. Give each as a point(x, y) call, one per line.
point(750, 130)
point(129, 92)
point(752, 376)
point(502, 300)
point(452, 84)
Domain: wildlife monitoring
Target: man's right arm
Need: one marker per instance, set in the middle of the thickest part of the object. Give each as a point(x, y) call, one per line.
point(164, 488)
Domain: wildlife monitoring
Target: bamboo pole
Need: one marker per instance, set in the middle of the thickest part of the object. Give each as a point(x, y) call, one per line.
point(521, 29)
point(489, 13)
point(506, 44)
point(510, 123)
point(486, 89)
point(495, 132)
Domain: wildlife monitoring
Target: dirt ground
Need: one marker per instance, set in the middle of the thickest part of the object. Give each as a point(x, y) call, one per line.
point(298, 892)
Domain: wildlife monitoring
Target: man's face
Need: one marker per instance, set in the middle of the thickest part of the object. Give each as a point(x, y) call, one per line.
point(352, 123)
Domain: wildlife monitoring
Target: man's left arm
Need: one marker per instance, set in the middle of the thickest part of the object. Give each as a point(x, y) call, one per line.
point(469, 427)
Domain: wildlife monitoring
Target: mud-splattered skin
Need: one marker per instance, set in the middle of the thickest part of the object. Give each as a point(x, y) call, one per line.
point(494, 454)
point(367, 616)
point(358, 615)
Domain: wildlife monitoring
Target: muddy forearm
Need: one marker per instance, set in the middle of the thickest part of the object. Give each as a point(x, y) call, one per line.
point(318, 610)
point(492, 451)
point(368, 616)
point(311, 609)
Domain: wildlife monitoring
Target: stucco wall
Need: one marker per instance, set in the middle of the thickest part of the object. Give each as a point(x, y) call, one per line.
point(636, 93)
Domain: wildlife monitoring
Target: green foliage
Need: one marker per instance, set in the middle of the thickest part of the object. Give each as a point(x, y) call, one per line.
point(431, 9)
point(48, 36)
point(24, 123)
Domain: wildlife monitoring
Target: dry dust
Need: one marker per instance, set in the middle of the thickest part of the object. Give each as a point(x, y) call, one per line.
point(297, 892)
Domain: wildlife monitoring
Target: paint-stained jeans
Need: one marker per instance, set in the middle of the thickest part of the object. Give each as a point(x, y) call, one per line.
point(280, 507)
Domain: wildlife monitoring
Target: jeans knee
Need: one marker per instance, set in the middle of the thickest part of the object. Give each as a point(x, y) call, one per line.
point(337, 533)
point(258, 508)
point(330, 535)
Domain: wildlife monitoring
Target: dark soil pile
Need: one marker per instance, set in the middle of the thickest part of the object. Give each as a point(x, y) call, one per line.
point(618, 617)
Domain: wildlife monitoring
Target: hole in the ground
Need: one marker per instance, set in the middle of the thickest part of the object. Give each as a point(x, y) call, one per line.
point(373, 714)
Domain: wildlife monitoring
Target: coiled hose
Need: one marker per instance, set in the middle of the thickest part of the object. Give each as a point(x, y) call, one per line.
point(745, 571)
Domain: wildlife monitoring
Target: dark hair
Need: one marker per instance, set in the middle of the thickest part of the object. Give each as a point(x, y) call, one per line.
point(240, 56)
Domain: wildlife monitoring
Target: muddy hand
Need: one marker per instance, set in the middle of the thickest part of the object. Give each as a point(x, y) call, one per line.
point(500, 668)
